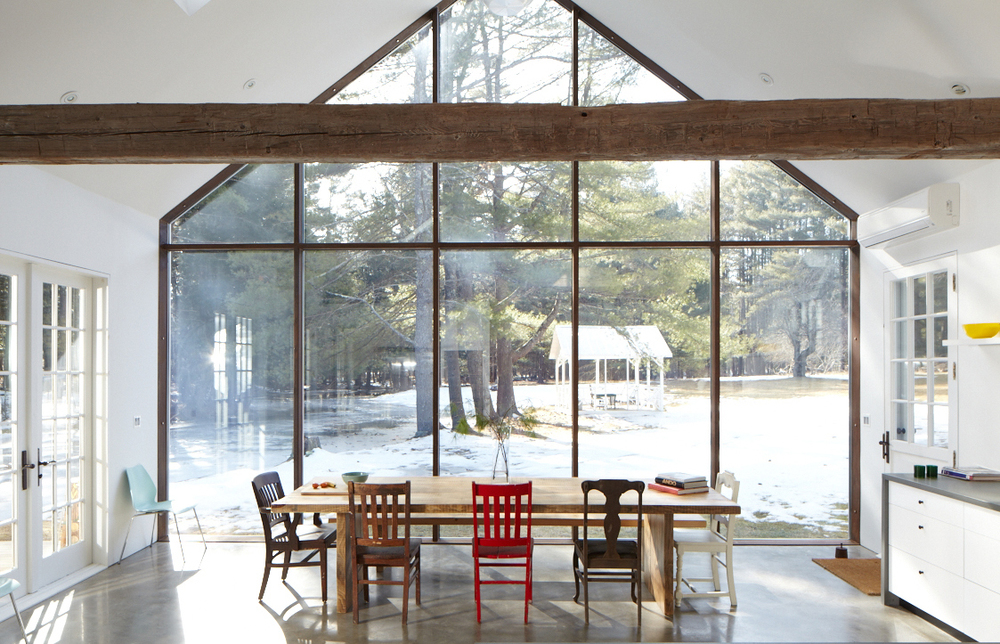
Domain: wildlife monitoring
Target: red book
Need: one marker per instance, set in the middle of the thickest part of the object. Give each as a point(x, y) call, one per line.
point(676, 490)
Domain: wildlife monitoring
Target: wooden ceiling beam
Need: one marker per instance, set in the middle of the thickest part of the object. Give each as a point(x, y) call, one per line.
point(286, 133)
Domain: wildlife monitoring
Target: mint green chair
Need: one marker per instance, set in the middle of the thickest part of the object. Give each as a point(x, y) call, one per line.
point(7, 587)
point(144, 502)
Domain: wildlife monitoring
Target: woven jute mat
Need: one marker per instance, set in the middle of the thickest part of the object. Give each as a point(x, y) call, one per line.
point(863, 574)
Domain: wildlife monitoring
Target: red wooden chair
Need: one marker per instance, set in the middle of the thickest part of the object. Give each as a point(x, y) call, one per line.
point(505, 537)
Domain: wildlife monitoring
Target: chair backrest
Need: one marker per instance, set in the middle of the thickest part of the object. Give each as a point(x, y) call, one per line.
point(612, 489)
point(384, 511)
point(140, 487)
point(504, 512)
point(725, 524)
point(266, 490)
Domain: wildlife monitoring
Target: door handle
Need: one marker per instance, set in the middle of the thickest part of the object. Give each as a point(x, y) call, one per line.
point(25, 466)
point(41, 463)
point(885, 445)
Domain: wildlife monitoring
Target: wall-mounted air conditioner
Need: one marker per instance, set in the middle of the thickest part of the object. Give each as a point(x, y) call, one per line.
point(931, 210)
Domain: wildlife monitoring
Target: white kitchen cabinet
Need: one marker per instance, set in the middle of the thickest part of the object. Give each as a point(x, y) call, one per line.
point(941, 550)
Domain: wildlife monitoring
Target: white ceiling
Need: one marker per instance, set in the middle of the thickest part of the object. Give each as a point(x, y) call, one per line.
point(124, 51)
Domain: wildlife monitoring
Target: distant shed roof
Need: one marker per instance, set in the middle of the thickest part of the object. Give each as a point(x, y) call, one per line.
point(610, 343)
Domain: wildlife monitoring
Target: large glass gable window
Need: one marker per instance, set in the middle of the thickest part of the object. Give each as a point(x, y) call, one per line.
point(605, 318)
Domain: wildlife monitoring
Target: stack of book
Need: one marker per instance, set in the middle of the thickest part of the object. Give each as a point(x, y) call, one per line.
point(680, 483)
point(971, 473)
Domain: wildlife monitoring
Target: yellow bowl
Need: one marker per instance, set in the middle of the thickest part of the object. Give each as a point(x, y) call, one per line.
point(980, 331)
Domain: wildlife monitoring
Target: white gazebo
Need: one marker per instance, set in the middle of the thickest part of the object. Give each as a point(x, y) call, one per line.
point(634, 344)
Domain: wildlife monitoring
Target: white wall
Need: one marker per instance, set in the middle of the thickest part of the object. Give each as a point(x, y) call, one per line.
point(54, 221)
point(976, 243)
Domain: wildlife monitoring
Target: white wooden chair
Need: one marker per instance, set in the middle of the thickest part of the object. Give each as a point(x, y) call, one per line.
point(717, 541)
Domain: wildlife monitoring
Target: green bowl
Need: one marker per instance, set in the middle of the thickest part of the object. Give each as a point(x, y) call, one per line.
point(356, 477)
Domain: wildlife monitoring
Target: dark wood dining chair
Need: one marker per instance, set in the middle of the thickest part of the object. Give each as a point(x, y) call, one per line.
point(503, 511)
point(381, 511)
point(610, 559)
point(283, 535)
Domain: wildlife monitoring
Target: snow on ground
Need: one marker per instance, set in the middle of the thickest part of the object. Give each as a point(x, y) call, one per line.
point(787, 446)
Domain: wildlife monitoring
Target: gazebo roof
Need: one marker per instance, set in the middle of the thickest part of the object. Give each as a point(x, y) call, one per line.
point(610, 343)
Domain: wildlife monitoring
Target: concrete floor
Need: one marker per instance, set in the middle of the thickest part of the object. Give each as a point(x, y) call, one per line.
point(155, 597)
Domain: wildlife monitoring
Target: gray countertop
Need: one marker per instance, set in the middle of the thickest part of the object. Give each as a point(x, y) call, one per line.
point(981, 493)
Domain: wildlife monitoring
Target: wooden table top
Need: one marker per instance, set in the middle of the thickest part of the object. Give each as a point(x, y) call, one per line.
point(453, 494)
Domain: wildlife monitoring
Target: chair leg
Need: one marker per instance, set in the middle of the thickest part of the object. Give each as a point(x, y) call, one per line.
point(678, 594)
point(202, 532)
point(124, 543)
point(527, 588)
point(406, 590)
point(576, 575)
point(180, 544)
point(729, 579)
point(479, 609)
point(638, 583)
point(586, 596)
point(268, 556)
point(17, 614)
point(354, 590)
point(715, 572)
point(418, 580)
point(322, 571)
point(286, 565)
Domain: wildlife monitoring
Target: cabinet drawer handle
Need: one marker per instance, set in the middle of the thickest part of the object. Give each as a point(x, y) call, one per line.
point(920, 527)
point(920, 572)
point(919, 502)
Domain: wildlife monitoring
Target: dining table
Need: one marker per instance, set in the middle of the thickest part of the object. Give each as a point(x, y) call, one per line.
point(447, 500)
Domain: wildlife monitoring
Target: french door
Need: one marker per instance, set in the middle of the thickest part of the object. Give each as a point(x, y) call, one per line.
point(47, 332)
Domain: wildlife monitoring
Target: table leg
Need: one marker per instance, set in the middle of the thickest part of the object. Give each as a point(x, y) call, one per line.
point(658, 561)
point(345, 571)
point(668, 578)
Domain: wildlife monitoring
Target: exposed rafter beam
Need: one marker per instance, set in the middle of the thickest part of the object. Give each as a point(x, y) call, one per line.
point(284, 133)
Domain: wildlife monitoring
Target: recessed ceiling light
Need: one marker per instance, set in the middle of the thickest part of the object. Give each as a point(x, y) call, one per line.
point(250, 84)
point(960, 89)
point(69, 97)
point(766, 79)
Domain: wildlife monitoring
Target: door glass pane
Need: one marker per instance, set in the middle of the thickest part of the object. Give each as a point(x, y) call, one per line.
point(940, 292)
point(920, 338)
point(941, 425)
point(940, 335)
point(901, 421)
point(920, 295)
point(898, 290)
point(940, 381)
point(920, 424)
point(784, 409)
point(920, 381)
point(230, 381)
point(900, 381)
point(368, 371)
point(900, 339)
